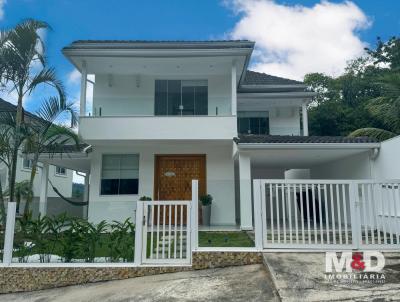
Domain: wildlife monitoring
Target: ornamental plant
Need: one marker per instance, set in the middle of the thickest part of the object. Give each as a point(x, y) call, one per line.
point(206, 200)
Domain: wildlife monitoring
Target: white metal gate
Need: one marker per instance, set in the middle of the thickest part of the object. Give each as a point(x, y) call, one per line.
point(328, 214)
point(166, 231)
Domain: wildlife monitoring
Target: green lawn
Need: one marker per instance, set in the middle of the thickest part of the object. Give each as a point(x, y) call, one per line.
point(225, 239)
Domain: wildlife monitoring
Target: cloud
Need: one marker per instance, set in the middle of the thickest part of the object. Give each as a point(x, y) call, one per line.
point(74, 80)
point(294, 40)
point(2, 3)
point(74, 77)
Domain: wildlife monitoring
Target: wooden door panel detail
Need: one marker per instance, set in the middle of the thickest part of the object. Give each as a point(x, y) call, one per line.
point(173, 178)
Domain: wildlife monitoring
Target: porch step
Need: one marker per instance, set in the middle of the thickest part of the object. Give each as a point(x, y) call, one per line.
point(168, 242)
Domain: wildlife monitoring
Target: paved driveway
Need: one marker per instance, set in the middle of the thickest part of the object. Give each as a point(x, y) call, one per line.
point(244, 283)
point(301, 277)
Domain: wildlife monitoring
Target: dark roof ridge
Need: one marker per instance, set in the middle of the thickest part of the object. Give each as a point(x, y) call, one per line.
point(261, 78)
point(297, 139)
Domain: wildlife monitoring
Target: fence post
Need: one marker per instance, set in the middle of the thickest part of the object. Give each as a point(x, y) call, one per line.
point(257, 214)
point(194, 215)
point(355, 214)
point(9, 235)
point(139, 232)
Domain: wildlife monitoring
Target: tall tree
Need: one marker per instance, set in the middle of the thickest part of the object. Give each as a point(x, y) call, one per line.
point(23, 67)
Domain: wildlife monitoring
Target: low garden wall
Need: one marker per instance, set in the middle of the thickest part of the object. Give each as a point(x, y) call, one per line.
point(18, 279)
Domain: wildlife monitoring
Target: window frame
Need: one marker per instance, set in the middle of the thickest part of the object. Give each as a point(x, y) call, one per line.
point(56, 173)
point(29, 167)
point(101, 174)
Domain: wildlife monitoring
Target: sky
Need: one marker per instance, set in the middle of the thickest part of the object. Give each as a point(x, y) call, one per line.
point(293, 37)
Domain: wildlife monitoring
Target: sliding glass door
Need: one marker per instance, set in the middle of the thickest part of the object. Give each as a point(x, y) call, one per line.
point(181, 97)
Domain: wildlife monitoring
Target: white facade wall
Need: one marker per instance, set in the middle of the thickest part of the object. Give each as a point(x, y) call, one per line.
point(219, 175)
point(352, 167)
point(284, 121)
point(387, 164)
point(124, 97)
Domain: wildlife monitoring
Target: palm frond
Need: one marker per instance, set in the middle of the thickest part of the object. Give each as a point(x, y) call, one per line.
point(47, 76)
point(53, 107)
point(378, 134)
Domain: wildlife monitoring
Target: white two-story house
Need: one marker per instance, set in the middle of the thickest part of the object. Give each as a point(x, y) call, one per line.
point(167, 112)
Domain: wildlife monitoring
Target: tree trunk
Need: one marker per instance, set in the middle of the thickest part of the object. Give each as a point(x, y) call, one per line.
point(31, 180)
point(17, 137)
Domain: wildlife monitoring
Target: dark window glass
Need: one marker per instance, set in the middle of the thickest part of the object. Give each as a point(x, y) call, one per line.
point(264, 126)
point(109, 186)
point(243, 125)
point(188, 98)
point(161, 97)
point(201, 98)
point(174, 97)
point(129, 186)
point(253, 125)
point(120, 174)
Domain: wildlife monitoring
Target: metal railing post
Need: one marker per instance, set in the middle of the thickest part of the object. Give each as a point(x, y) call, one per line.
point(194, 215)
point(258, 232)
point(9, 234)
point(139, 232)
point(355, 214)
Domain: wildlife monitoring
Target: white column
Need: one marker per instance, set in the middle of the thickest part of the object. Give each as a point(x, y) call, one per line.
point(86, 194)
point(86, 188)
point(234, 89)
point(305, 118)
point(246, 218)
point(43, 189)
point(83, 89)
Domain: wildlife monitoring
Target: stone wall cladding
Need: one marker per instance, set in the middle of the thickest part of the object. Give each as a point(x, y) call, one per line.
point(13, 279)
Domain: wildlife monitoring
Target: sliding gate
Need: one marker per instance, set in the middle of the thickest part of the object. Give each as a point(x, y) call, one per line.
point(329, 214)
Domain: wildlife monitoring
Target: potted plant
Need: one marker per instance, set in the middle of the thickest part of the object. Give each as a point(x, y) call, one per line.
point(206, 201)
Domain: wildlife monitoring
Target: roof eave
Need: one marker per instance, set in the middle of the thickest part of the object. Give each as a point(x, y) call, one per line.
point(254, 146)
point(275, 95)
point(273, 86)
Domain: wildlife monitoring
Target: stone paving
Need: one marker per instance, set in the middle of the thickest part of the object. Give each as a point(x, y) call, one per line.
point(301, 277)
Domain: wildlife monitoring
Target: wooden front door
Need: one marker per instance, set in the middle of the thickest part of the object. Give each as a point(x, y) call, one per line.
point(174, 174)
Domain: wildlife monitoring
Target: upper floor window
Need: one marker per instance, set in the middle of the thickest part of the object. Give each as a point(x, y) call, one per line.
point(120, 174)
point(61, 171)
point(181, 97)
point(27, 163)
point(253, 123)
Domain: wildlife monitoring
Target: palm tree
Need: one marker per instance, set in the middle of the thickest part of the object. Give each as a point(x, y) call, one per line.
point(385, 108)
point(23, 68)
point(44, 135)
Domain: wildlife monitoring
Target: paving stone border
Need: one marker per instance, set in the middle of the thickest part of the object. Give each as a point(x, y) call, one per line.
point(19, 279)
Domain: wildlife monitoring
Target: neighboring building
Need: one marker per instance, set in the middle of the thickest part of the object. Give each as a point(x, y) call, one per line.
point(167, 112)
point(60, 177)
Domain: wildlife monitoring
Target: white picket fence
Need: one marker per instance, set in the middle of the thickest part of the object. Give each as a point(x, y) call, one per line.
point(327, 214)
